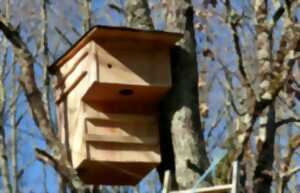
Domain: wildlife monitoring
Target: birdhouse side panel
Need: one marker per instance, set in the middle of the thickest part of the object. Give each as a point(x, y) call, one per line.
point(73, 71)
point(131, 135)
point(75, 85)
point(74, 61)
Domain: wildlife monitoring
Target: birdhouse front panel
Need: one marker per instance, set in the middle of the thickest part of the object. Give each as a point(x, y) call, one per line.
point(133, 63)
point(114, 140)
point(107, 93)
point(126, 73)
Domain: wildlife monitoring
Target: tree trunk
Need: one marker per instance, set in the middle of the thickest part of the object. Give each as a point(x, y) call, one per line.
point(182, 143)
point(3, 148)
point(263, 171)
point(87, 15)
point(180, 112)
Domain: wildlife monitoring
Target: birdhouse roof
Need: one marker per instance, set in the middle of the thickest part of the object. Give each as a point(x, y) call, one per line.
point(120, 33)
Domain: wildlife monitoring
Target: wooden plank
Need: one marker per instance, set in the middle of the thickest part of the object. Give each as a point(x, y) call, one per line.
point(124, 153)
point(68, 90)
point(113, 173)
point(98, 117)
point(125, 129)
point(129, 64)
point(121, 139)
point(63, 79)
point(235, 177)
point(213, 189)
point(167, 182)
point(113, 92)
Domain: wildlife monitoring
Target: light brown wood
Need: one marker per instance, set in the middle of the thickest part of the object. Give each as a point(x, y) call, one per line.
point(123, 77)
point(98, 116)
point(117, 129)
point(167, 182)
point(121, 139)
point(113, 173)
point(109, 87)
point(109, 99)
point(128, 64)
point(123, 107)
point(113, 92)
point(129, 162)
point(63, 79)
point(232, 188)
point(117, 34)
point(68, 90)
point(106, 152)
point(213, 189)
point(235, 177)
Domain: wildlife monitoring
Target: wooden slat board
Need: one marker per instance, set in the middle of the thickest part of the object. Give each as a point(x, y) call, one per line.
point(214, 189)
point(98, 116)
point(232, 188)
point(121, 139)
point(131, 125)
point(167, 182)
point(104, 152)
point(113, 173)
point(62, 80)
point(235, 177)
point(69, 89)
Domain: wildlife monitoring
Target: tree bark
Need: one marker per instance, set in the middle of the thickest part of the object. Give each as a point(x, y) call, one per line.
point(263, 175)
point(138, 15)
point(14, 126)
point(58, 156)
point(87, 15)
point(3, 148)
point(180, 112)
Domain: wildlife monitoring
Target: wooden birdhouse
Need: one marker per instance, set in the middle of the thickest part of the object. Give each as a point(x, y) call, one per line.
point(108, 88)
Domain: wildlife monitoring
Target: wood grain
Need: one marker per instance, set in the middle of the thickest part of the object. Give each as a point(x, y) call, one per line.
point(121, 139)
point(68, 90)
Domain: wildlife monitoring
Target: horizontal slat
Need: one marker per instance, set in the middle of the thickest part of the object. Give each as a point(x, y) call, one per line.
point(213, 189)
point(121, 139)
point(124, 118)
point(68, 90)
point(65, 76)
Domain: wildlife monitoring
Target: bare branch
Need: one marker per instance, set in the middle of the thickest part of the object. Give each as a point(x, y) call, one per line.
point(117, 8)
point(138, 14)
point(60, 167)
point(291, 172)
point(34, 97)
point(287, 121)
point(63, 36)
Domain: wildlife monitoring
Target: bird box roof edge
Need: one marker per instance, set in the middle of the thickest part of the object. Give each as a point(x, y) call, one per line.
point(90, 35)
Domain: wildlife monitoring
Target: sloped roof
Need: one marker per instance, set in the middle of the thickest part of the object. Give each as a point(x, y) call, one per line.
point(107, 33)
